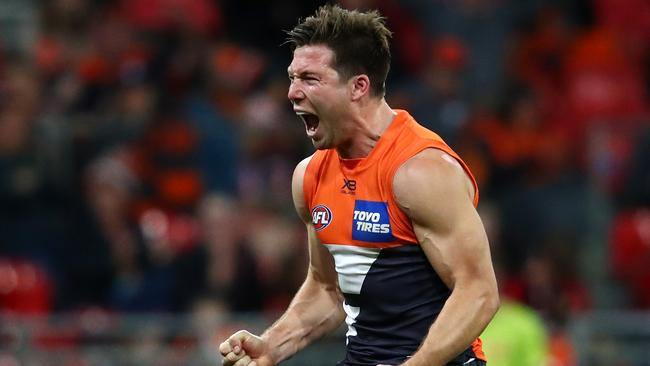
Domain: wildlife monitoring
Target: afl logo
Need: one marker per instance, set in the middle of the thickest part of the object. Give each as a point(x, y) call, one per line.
point(321, 217)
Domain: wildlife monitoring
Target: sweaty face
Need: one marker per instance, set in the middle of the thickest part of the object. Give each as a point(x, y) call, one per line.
point(318, 95)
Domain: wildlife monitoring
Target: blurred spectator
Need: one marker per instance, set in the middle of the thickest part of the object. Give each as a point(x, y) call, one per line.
point(223, 269)
point(32, 221)
point(550, 287)
point(131, 114)
point(25, 288)
point(629, 18)
point(516, 336)
point(109, 185)
point(522, 148)
point(409, 55)
point(201, 16)
point(218, 149)
point(636, 189)
point(274, 142)
point(553, 288)
point(630, 254)
point(482, 26)
point(279, 248)
point(604, 80)
point(436, 95)
point(166, 165)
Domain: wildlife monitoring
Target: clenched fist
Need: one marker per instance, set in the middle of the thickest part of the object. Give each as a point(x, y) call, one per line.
point(245, 349)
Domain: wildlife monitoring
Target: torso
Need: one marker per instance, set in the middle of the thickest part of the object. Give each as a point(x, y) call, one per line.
point(392, 294)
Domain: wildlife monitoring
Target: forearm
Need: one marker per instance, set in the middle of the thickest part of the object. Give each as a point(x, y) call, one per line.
point(461, 320)
point(315, 311)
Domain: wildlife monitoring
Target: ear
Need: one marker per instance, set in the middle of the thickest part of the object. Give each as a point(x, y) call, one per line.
point(359, 86)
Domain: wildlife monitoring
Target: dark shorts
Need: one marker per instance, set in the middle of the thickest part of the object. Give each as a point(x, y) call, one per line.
point(467, 358)
point(469, 362)
point(475, 362)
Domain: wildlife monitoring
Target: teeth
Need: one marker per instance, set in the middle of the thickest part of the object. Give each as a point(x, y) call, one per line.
point(303, 115)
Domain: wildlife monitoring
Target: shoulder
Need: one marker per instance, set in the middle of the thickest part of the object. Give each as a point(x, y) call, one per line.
point(431, 178)
point(301, 167)
point(297, 188)
point(430, 166)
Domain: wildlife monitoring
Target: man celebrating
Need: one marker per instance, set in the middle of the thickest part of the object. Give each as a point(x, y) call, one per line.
point(396, 246)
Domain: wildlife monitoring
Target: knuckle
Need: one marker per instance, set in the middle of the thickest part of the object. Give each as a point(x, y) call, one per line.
point(243, 362)
point(224, 347)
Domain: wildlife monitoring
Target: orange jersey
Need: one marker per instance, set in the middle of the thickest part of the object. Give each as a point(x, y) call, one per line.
point(392, 294)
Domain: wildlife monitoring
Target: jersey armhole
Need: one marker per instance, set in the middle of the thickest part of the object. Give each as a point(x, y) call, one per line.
point(311, 177)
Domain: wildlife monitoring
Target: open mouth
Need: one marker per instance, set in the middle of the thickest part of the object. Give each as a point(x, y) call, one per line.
point(311, 121)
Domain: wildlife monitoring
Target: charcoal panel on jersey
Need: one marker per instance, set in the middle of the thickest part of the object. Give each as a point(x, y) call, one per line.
point(352, 299)
point(399, 300)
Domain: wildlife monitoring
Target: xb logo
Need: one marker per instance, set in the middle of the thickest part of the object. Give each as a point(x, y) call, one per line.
point(321, 216)
point(349, 184)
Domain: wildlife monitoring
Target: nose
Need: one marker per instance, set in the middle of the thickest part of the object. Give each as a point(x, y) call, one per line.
point(295, 94)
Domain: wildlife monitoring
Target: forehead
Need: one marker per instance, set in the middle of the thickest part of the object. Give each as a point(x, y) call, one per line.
point(311, 58)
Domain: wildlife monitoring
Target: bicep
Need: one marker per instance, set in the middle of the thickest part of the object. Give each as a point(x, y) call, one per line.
point(321, 263)
point(459, 251)
point(433, 192)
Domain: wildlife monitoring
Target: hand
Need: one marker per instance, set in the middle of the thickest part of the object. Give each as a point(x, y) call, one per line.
point(245, 349)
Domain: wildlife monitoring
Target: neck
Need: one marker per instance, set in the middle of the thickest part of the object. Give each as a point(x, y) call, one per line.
point(369, 124)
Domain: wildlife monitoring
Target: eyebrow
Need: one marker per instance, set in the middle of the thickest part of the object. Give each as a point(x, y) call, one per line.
point(301, 74)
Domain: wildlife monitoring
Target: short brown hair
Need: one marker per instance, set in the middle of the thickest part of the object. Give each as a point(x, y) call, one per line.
point(359, 40)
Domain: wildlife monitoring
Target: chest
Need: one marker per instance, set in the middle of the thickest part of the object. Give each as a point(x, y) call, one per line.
point(353, 209)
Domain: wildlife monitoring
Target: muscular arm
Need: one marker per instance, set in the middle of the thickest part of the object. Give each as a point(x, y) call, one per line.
point(316, 309)
point(435, 192)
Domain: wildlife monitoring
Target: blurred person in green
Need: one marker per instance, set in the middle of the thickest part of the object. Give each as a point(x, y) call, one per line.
point(516, 336)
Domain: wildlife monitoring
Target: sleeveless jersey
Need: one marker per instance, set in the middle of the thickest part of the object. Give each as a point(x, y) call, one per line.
point(392, 293)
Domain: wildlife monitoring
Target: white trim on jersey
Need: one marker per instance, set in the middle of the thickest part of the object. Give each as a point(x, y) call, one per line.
point(352, 265)
point(352, 312)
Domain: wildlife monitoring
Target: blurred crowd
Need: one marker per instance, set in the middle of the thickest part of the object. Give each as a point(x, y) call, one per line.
point(147, 147)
